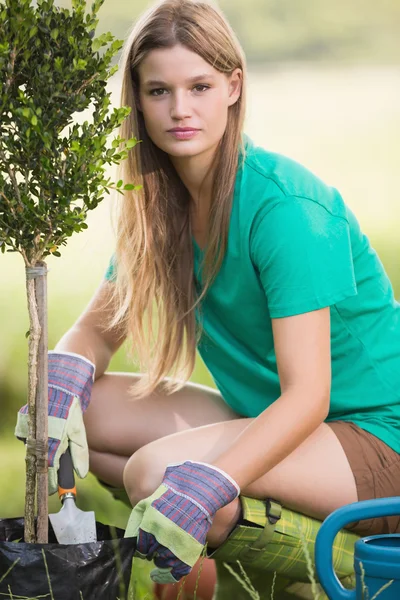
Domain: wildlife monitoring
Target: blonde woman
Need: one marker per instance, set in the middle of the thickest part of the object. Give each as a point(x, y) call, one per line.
point(250, 258)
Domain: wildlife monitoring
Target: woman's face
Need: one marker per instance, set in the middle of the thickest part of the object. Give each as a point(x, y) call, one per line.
point(180, 89)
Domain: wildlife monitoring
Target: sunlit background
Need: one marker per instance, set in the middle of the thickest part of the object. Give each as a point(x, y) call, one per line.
point(324, 89)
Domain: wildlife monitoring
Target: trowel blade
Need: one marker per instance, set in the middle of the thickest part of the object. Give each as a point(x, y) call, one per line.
point(72, 525)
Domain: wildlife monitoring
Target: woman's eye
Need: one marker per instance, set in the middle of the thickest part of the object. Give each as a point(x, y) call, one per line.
point(205, 87)
point(155, 91)
point(152, 92)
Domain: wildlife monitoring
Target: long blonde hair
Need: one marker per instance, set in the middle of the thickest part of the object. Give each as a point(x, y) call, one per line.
point(154, 251)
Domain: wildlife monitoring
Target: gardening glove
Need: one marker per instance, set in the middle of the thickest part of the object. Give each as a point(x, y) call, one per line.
point(71, 379)
point(171, 525)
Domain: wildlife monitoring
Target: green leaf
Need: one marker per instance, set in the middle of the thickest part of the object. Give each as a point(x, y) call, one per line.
point(113, 70)
point(120, 182)
point(129, 186)
point(131, 143)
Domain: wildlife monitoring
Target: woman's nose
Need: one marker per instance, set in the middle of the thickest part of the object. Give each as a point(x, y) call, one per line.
point(180, 106)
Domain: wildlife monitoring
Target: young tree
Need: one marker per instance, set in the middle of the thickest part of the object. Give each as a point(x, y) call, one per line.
point(52, 171)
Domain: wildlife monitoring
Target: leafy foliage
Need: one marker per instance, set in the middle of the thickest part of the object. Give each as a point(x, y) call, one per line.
point(52, 168)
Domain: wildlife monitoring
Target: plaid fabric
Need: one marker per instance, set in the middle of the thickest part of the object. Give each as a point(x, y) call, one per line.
point(69, 376)
point(199, 485)
point(285, 552)
point(184, 514)
point(53, 445)
point(192, 493)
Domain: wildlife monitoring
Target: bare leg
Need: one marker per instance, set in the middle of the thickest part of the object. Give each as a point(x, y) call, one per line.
point(315, 479)
point(118, 426)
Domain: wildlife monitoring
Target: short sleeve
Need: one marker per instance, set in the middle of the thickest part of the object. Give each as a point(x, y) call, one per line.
point(302, 253)
point(111, 273)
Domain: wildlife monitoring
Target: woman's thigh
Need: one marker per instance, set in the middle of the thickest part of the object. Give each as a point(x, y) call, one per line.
point(314, 479)
point(116, 424)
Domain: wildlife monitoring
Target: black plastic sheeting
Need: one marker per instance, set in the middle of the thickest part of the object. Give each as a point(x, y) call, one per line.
point(90, 571)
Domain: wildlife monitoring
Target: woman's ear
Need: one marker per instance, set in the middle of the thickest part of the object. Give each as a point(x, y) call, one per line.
point(235, 86)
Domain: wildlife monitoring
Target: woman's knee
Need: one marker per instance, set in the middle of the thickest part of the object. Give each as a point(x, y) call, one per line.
point(143, 474)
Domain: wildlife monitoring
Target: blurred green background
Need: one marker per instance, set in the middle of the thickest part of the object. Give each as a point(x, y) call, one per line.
point(324, 89)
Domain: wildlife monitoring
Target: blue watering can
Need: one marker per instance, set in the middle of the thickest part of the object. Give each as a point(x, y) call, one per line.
point(378, 556)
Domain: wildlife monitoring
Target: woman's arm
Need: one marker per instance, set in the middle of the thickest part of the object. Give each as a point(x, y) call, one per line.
point(302, 347)
point(87, 338)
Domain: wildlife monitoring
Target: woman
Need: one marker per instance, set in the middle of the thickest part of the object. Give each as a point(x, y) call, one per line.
point(250, 257)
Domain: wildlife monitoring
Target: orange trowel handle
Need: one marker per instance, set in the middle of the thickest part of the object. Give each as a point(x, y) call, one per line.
point(66, 480)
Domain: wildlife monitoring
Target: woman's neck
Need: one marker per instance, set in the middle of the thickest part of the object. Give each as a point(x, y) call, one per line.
point(192, 170)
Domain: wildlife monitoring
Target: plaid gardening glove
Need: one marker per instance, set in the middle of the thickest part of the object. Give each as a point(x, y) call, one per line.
point(171, 525)
point(71, 379)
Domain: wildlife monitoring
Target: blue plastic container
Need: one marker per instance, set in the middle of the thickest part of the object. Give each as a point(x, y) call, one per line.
point(376, 557)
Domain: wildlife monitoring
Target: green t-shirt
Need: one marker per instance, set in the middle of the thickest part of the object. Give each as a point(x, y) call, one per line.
point(293, 247)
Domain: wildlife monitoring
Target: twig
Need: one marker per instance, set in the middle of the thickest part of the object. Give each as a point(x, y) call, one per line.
point(13, 178)
point(86, 83)
point(13, 56)
point(27, 263)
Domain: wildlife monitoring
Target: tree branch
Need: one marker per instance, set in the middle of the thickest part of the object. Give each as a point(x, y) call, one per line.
point(35, 331)
point(9, 81)
point(86, 83)
point(11, 173)
point(20, 250)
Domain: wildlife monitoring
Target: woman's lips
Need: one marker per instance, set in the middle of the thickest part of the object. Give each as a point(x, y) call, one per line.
point(184, 135)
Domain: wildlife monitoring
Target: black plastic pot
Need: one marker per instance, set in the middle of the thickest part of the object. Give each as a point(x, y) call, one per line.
point(96, 571)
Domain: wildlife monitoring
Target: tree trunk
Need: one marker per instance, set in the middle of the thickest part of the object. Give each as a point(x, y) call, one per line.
point(42, 410)
point(37, 441)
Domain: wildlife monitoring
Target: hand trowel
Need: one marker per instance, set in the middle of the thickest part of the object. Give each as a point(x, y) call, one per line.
point(71, 525)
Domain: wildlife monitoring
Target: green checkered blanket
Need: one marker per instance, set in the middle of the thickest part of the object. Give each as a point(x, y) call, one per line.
point(283, 547)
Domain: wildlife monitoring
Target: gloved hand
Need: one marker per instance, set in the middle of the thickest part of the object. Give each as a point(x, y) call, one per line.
point(71, 379)
point(171, 525)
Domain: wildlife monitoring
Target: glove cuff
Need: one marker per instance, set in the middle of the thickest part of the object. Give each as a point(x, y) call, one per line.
point(72, 375)
point(78, 356)
point(223, 473)
point(206, 486)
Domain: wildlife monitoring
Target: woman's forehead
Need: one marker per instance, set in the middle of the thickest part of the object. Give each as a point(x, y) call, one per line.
point(174, 64)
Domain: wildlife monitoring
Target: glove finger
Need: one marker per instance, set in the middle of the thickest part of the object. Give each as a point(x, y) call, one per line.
point(147, 545)
point(162, 576)
point(80, 457)
point(169, 574)
point(56, 450)
point(180, 570)
point(77, 440)
point(58, 447)
point(21, 426)
point(52, 481)
point(166, 560)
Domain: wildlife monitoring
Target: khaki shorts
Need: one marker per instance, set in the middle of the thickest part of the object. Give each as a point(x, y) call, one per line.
point(376, 470)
